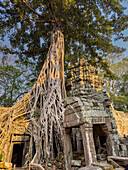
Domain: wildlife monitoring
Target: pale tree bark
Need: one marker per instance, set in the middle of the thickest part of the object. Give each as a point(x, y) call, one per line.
point(47, 97)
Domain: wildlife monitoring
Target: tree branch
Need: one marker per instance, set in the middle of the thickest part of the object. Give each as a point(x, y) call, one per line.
point(31, 9)
point(41, 21)
point(20, 95)
point(53, 13)
point(45, 20)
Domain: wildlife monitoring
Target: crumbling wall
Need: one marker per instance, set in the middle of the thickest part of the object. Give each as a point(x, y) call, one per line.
point(83, 75)
point(121, 121)
point(12, 121)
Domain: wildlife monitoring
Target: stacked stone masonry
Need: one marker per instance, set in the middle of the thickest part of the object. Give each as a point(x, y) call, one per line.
point(89, 114)
point(88, 109)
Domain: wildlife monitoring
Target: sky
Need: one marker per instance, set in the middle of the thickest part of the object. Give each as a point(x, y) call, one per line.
point(121, 43)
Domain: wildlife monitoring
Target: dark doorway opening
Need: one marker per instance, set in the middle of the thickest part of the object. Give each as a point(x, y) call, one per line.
point(17, 154)
point(77, 145)
point(54, 144)
point(33, 147)
point(99, 139)
point(76, 139)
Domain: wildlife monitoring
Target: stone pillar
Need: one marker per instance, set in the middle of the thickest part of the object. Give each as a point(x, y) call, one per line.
point(88, 144)
point(67, 148)
point(111, 147)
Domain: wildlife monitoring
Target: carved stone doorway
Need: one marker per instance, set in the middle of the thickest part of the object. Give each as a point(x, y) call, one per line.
point(100, 137)
point(17, 154)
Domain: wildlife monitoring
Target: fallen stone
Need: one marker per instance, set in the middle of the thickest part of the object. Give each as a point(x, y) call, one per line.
point(103, 166)
point(90, 168)
point(76, 163)
point(113, 163)
point(122, 161)
point(74, 168)
point(101, 157)
point(49, 164)
point(37, 166)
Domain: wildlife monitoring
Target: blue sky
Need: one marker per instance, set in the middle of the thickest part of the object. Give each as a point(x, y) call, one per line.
point(121, 43)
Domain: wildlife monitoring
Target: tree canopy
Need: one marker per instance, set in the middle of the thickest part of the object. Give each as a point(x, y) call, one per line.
point(15, 81)
point(118, 87)
point(88, 27)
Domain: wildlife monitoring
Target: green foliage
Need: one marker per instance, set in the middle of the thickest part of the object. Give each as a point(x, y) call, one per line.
point(15, 82)
point(1, 157)
point(120, 97)
point(87, 26)
point(118, 86)
point(36, 113)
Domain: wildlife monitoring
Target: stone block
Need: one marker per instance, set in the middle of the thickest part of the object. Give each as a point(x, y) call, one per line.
point(123, 147)
point(122, 161)
point(86, 103)
point(90, 168)
point(103, 166)
point(101, 157)
point(114, 131)
point(76, 163)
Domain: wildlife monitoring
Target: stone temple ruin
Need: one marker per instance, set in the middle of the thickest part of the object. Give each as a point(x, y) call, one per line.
point(87, 109)
point(45, 123)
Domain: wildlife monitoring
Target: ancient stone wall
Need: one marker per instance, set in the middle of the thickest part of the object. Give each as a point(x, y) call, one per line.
point(12, 121)
point(83, 75)
point(90, 111)
point(121, 121)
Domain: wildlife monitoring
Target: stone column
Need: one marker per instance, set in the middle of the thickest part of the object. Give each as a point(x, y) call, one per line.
point(88, 144)
point(111, 147)
point(67, 148)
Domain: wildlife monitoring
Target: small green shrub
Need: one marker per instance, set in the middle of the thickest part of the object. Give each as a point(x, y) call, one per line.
point(1, 157)
point(36, 113)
